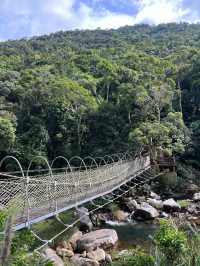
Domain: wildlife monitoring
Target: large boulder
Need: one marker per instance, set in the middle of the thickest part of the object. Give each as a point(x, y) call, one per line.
point(103, 238)
point(85, 222)
point(97, 255)
point(78, 260)
point(51, 255)
point(158, 204)
point(145, 212)
point(196, 196)
point(171, 205)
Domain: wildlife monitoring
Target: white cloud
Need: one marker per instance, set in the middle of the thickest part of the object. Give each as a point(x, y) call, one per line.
point(20, 18)
point(60, 8)
point(160, 11)
point(104, 19)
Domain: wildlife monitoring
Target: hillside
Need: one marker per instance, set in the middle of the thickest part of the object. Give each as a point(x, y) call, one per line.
point(102, 91)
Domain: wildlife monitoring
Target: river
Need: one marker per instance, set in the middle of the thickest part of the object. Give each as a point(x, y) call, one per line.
point(133, 234)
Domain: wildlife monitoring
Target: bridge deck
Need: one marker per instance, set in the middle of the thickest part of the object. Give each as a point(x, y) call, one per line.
point(43, 196)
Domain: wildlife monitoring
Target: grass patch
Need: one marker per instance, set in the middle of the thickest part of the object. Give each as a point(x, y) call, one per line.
point(51, 227)
point(184, 203)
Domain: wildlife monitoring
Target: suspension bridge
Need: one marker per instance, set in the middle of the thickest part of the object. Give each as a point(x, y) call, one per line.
point(43, 193)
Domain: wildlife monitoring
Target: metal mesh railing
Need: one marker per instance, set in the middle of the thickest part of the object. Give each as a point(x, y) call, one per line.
point(42, 193)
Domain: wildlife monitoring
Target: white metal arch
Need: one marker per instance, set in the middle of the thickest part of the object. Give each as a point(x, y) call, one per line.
point(93, 161)
point(42, 158)
point(101, 159)
point(79, 159)
point(63, 158)
point(52, 194)
point(16, 160)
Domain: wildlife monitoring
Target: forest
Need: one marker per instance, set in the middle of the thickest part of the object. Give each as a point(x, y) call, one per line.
point(98, 92)
point(102, 92)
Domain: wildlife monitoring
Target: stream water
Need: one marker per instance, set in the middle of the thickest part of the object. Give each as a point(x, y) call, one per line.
point(133, 234)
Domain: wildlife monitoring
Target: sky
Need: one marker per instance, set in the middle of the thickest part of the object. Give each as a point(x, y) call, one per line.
point(26, 18)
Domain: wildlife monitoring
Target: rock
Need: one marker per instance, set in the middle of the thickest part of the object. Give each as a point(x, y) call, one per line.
point(74, 238)
point(63, 252)
point(124, 252)
point(196, 196)
point(121, 216)
point(191, 189)
point(77, 260)
point(84, 254)
point(195, 220)
point(192, 209)
point(158, 204)
point(97, 254)
point(153, 195)
point(85, 222)
point(51, 255)
point(102, 218)
point(103, 238)
point(141, 199)
point(145, 212)
point(64, 244)
point(171, 205)
point(108, 258)
point(131, 204)
point(164, 215)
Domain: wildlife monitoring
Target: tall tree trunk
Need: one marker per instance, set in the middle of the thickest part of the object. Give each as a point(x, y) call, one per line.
point(78, 137)
point(158, 112)
point(107, 92)
point(180, 98)
point(129, 117)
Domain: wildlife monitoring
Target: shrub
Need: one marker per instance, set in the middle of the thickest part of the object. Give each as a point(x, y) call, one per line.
point(23, 258)
point(135, 258)
point(23, 239)
point(170, 241)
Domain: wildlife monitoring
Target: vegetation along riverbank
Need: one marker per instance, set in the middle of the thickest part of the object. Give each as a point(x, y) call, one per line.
point(96, 93)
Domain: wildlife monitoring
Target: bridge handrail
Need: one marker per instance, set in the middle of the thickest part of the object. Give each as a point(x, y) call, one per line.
point(58, 191)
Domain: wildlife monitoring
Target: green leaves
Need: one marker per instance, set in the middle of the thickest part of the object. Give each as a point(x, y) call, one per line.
point(134, 258)
point(167, 134)
point(170, 241)
point(7, 134)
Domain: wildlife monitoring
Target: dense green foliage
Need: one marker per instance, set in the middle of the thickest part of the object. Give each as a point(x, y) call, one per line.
point(16, 250)
point(134, 258)
point(170, 241)
point(97, 92)
point(172, 247)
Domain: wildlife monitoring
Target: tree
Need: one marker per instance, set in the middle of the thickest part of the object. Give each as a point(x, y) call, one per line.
point(75, 102)
point(7, 134)
point(167, 135)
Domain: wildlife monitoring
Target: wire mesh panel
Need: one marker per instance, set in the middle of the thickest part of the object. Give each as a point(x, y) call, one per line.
point(41, 194)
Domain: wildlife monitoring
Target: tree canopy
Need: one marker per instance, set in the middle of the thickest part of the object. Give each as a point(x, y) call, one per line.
point(102, 91)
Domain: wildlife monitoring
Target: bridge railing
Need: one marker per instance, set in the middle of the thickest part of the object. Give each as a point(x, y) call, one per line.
point(55, 190)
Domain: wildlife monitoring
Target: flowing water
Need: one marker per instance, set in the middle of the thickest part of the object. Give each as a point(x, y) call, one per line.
point(133, 234)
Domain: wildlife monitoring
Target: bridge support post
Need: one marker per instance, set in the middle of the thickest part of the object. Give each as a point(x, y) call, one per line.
point(27, 201)
point(55, 197)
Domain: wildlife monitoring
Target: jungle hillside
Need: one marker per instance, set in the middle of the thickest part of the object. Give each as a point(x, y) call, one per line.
point(103, 92)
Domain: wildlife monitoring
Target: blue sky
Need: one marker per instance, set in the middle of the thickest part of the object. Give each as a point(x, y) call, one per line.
point(25, 18)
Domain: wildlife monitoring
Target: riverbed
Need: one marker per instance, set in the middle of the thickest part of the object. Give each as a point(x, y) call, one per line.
point(133, 234)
